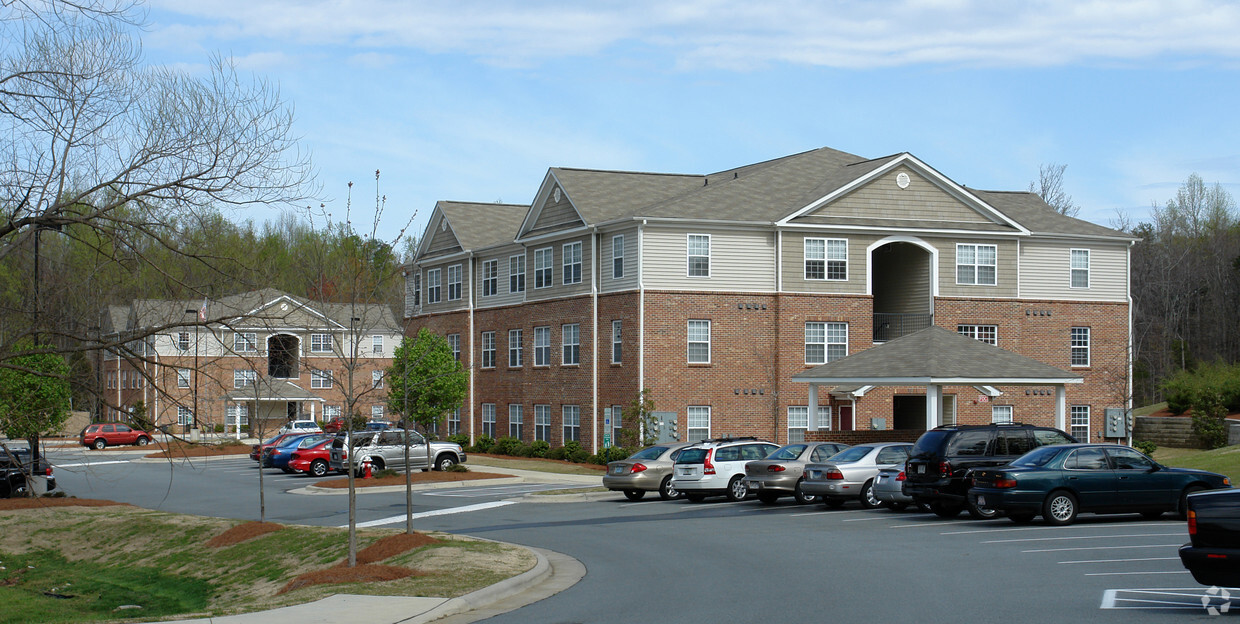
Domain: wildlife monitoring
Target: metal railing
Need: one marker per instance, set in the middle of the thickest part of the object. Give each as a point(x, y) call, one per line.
point(889, 326)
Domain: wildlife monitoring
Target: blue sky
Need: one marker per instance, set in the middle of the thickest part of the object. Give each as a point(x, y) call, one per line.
point(473, 101)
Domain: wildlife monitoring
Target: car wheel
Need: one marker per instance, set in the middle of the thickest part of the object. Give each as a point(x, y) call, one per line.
point(868, 499)
point(318, 468)
point(695, 497)
point(946, 510)
point(1059, 508)
point(1183, 509)
point(737, 490)
point(833, 503)
point(143, 441)
point(897, 506)
point(769, 498)
point(444, 462)
point(376, 464)
point(99, 444)
point(287, 470)
point(1021, 518)
point(634, 494)
point(667, 491)
point(980, 513)
point(801, 497)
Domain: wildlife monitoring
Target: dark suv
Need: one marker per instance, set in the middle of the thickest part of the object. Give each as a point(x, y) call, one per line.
point(939, 466)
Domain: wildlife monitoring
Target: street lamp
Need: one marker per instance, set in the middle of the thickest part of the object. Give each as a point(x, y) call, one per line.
point(194, 415)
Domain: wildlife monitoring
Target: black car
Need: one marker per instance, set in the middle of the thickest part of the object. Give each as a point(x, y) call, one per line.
point(14, 465)
point(1213, 555)
point(940, 466)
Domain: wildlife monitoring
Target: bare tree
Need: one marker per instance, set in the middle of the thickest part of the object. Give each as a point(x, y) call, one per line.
point(1049, 186)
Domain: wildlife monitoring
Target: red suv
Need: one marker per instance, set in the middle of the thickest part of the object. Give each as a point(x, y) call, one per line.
point(100, 435)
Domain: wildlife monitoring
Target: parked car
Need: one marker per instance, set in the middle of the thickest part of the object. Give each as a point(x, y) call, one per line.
point(889, 490)
point(277, 456)
point(301, 426)
point(335, 425)
point(1058, 482)
point(101, 435)
point(782, 472)
point(15, 464)
point(378, 425)
point(849, 475)
point(1213, 554)
point(314, 459)
point(256, 451)
point(647, 470)
point(714, 467)
point(938, 470)
point(386, 449)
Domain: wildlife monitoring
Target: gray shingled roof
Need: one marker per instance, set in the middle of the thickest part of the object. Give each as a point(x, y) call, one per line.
point(602, 196)
point(147, 313)
point(936, 355)
point(1029, 210)
point(268, 389)
point(480, 225)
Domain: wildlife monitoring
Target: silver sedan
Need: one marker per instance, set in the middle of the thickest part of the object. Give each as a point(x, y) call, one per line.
point(780, 473)
point(648, 470)
point(889, 489)
point(850, 474)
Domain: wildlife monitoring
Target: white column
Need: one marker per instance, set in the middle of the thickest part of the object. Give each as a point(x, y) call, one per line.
point(934, 398)
point(812, 412)
point(1061, 408)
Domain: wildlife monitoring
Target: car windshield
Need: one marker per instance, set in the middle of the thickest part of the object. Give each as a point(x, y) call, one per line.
point(692, 456)
point(792, 451)
point(851, 454)
point(272, 440)
point(649, 453)
point(928, 444)
point(1037, 457)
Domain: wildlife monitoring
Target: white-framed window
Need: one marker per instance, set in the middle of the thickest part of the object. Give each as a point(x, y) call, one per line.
point(376, 379)
point(988, 334)
point(454, 421)
point(976, 264)
point(1001, 414)
point(516, 355)
point(454, 342)
point(698, 425)
point(698, 333)
point(488, 419)
point(416, 289)
point(376, 345)
point(572, 263)
point(183, 341)
point(542, 346)
point(183, 377)
point(320, 343)
point(244, 377)
point(432, 286)
point(1080, 422)
point(617, 346)
point(488, 349)
point(617, 256)
point(826, 259)
point(185, 415)
point(543, 271)
point(490, 277)
point(542, 422)
point(516, 273)
point(516, 416)
point(454, 282)
point(245, 342)
point(825, 342)
point(1080, 346)
point(699, 255)
point(617, 415)
point(571, 334)
point(1080, 268)
point(376, 413)
point(238, 415)
point(798, 423)
point(320, 379)
point(572, 422)
point(330, 412)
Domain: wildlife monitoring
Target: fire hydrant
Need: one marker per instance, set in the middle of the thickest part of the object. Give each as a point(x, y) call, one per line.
point(366, 469)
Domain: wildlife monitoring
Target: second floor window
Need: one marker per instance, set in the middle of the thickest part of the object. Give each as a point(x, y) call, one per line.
point(376, 379)
point(432, 286)
point(376, 345)
point(542, 267)
point(975, 264)
point(515, 352)
point(617, 256)
point(542, 346)
point(616, 345)
point(825, 342)
point(320, 343)
point(1080, 346)
point(454, 282)
point(243, 378)
point(826, 259)
point(490, 278)
point(699, 342)
point(245, 341)
point(488, 349)
point(320, 379)
point(183, 377)
point(516, 274)
point(1080, 268)
point(183, 341)
point(572, 344)
point(699, 255)
point(454, 343)
point(572, 263)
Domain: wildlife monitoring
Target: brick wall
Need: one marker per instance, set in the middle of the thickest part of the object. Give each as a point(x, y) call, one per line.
point(863, 437)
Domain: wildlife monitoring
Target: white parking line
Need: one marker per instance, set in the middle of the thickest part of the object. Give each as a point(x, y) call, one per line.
point(1046, 550)
point(1134, 573)
point(1045, 528)
point(428, 514)
point(829, 511)
point(1122, 560)
point(99, 463)
point(1080, 537)
point(864, 519)
point(1172, 598)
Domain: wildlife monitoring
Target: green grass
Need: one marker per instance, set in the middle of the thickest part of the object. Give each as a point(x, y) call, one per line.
point(1149, 409)
point(1225, 460)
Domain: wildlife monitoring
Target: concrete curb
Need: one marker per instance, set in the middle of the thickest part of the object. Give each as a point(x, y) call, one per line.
point(492, 593)
point(314, 490)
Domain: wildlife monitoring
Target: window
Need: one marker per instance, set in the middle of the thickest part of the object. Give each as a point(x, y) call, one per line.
point(454, 341)
point(183, 341)
point(516, 357)
point(376, 379)
point(699, 255)
point(488, 349)
point(1080, 268)
point(454, 422)
point(798, 423)
point(698, 423)
point(516, 414)
point(975, 264)
point(1079, 427)
point(432, 286)
point(417, 289)
point(185, 416)
point(542, 422)
point(572, 344)
point(826, 259)
point(572, 423)
point(699, 342)
point(454, 282)
point(616, 345)
point(376, 413)
point(1001, 414)
point(488, 419)
point(617, 413)
point(516, 274)
point(542, 346)
point(572, 263)
point(320, 343)
point(183, 378)
point(490, 278)
point(617, 256)
point(376, 345)
point(331, 411)
point(244, 377)
point(825, 342)
point(245, 341)
point(238, 415)
point(988, 334)
point(1080, 346)
point(542, 267)
point(320, 379)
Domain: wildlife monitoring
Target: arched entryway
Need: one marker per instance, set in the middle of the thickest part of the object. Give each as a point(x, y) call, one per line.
point(903, 281)
point(282, 356)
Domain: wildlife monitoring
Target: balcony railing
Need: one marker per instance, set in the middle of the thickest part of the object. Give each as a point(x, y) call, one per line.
point(889, 326)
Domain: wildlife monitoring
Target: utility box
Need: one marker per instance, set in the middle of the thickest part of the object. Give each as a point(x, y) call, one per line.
point(666, 427)
point(1116, 423)
point(878, 424)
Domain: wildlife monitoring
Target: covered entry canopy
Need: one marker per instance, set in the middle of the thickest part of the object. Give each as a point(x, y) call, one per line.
point(935, 357)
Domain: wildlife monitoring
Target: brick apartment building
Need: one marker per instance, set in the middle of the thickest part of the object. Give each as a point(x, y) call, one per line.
point(254, 360)
point(712, 291)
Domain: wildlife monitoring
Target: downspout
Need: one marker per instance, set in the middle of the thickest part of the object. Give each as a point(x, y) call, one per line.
point(641, 318)
point(594, 273)
point(779, 289)
point(1128, 297)
point(472, 371)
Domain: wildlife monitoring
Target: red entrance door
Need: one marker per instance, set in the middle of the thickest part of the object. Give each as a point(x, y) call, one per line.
point(846, 423)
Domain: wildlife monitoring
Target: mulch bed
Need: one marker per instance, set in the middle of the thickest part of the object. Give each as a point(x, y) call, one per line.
point(243, 532)
point(435, 476)
point(8, 504)
point(177, 449)
point(367, 570)
point(393, 545)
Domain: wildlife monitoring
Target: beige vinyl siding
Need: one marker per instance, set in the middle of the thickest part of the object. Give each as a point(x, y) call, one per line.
point(1005, 268)
point(502, 296)
point(556, 216)
point(902, 280)
point(1045, 272)
point(629, 281)
point(739, 260)
point(793, 264)
point(442, 241)
point(884, 199)
point(444, 304)
point(558, 288)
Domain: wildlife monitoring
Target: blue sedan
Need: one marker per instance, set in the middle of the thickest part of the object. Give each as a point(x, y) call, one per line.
point(1057, 482)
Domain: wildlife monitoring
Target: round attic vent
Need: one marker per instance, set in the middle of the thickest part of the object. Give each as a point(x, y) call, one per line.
point(443, 226)
point(902, 180)
point(556, 194)
point(284, 307)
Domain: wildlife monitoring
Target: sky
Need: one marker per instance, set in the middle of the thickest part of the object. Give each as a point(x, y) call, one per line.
point(468, 100)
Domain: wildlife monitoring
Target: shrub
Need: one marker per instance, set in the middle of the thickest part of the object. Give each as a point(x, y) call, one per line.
point(457, 468)
point(578, 456)
point(1145, 446)
point(558, 452)
point(539, 448)
point(608, 455)
point(460, 439)
point(485, 442)
point(218, 428)
point(523, 450)
point(386, 472)
point(506, 445)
